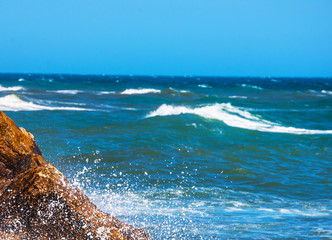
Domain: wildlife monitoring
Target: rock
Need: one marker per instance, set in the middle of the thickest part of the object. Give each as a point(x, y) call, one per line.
point(38, 202)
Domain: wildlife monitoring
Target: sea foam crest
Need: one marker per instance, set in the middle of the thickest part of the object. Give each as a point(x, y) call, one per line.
point(10, 89)
point(326, 92)
point(240, 97)
point(251, 86)
point(140, 91)
point(105, 92)
point(204, 86)
point(73, 92)
point(13, 103)
point(234, 117)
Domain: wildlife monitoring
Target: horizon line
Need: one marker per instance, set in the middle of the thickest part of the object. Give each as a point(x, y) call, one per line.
point(162, 75)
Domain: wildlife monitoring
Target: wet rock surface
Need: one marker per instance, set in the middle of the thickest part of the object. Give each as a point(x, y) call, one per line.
point(38, 202)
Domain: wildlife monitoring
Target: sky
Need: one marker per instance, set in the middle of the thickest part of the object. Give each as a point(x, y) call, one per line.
point(167, 37)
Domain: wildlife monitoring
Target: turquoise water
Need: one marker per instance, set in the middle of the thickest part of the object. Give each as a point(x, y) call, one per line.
point(188, 157)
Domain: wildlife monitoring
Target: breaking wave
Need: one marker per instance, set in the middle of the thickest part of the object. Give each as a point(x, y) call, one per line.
point(169, 90)
point(140, 91)
point(131, 91)
point(239, 97)
point(13, 103)
point(10, 89)
point(204, 86)
point(251, 86)
point(234, 117)
point(326, 92)
point(105, 92)
point(72, 92)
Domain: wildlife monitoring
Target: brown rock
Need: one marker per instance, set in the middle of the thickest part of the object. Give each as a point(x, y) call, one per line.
point(38, 202)
point(6, 236)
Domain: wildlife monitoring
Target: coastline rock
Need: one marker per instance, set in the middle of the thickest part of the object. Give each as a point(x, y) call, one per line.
point(38, 202)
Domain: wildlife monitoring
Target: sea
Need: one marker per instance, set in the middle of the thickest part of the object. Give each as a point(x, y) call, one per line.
point(188, 157)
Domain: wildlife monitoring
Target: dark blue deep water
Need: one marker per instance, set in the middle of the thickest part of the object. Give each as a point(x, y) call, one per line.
point(188, 157)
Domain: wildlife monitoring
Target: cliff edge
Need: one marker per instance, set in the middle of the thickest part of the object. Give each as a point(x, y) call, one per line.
point(38, 202)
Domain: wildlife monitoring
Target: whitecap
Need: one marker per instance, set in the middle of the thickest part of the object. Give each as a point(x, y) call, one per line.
point(238, 204)
point(233, 209)
point(184, 91)
point(204, 86)
point(251, 86)
point(13, 103)
point(105, 92)
point(72, 92)
point(172, 91)
point(266, 209)
point(10, 89)
point(140, 91)
point(326, 92)
point(308, 212)
point(240, 97)
point(234, 117)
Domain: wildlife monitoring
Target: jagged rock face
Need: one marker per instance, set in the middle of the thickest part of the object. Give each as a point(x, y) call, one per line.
point(38, 202)
point(18, 149)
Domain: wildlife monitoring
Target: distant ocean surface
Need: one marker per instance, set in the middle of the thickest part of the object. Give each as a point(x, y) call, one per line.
point(188, 157)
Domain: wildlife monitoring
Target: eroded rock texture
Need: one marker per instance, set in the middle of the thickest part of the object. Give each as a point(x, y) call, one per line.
point(38, 202)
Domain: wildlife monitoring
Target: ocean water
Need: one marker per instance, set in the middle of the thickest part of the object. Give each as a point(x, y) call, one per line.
point(188, 157)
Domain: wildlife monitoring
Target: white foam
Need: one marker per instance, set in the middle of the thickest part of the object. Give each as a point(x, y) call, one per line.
point(266, 209)
point(105, 92)
point(326, 92)
point(239, 204)
point(204, 86)
point(13, 103)
point(233, 209)
point(73, 92)
point(184, 91)
point(234, 117)
point(10, 89)
point(306, 212)
point(240, 97)
point(251, 86)
point(140, 91)
point(173, 91)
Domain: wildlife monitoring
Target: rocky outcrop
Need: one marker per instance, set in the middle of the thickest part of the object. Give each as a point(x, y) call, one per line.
point(38, 202)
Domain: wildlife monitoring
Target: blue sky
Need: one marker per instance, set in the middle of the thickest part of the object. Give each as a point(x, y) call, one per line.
point(167, 37)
